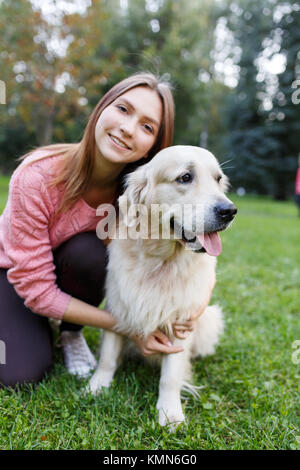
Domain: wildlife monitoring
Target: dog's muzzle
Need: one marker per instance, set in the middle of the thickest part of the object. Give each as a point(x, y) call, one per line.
point(225, 212)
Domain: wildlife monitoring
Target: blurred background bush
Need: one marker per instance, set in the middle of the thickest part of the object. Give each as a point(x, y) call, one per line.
point(234, 65)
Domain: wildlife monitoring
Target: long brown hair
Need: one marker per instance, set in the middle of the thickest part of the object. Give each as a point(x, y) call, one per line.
point(76, 168)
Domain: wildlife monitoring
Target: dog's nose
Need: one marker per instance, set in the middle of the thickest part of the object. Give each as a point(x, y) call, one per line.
point(225, 211)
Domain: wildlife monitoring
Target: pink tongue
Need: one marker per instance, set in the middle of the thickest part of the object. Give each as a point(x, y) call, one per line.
point(211, 242)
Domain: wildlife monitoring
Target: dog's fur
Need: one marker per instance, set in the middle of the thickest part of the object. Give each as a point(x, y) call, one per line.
point(151, 283)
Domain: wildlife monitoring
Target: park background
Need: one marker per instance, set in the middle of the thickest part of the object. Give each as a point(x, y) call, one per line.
point(234, 66)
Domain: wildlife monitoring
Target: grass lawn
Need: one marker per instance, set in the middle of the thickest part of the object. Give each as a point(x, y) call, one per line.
point(250, 398)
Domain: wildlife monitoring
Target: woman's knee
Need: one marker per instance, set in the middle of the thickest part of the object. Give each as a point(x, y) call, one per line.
point(27, 339)
point(34, 376)
point(81, 267)
point(25, 366)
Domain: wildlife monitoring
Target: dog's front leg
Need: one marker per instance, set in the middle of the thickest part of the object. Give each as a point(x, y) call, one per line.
point(171, 380)
point(111, 348)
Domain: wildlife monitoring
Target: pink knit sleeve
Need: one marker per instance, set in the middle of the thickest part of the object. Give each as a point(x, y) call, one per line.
point(28, 246)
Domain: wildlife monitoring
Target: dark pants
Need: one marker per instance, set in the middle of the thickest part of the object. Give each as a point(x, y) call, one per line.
point(26, 337)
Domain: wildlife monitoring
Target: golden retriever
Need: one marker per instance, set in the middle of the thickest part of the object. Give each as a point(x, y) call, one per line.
point(154, 280)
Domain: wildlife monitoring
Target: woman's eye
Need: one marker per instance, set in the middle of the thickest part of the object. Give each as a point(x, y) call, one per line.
point(186, 178)
point(148, 128)
point(122, 108)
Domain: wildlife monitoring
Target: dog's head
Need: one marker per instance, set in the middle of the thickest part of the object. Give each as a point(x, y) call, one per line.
point(189, 186)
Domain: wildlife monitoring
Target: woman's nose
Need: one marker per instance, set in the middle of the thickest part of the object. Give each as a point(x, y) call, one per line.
point(127, 128)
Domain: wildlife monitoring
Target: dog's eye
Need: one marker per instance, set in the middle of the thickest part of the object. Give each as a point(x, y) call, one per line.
point(186, 178)
point(218, 178)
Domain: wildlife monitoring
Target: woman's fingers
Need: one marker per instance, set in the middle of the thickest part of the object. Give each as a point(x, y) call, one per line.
point(161, 337)
point(168, 349)
point(161, 343)
point(182, 330)
point(182, 334)
point(155, 343)
point(187, 323)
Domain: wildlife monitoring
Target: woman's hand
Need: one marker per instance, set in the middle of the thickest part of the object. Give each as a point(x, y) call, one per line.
point(183, 329)
point(156, 342)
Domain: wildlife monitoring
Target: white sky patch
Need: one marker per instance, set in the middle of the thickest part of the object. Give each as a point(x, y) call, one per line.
point(152, 6)
point(269, 64)
point(276, 64)
point(203, 76)
point(52, 10)
point(268, 69)
point(62, 81)
point(124, 4)
point(226, 55)
point(283, 9)
point(155, 26)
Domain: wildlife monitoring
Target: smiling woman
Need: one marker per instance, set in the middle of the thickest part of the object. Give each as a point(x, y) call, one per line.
point(124, 134)
point(51, 262)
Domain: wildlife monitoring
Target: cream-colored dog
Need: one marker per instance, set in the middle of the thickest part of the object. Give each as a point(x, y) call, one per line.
point(154, 280)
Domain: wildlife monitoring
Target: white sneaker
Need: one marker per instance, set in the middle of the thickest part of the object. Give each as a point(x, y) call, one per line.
point(77, 355)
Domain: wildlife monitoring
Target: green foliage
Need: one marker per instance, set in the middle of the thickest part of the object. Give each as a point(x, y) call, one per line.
point(50, 94)
point(263, 144)
point(105, 45)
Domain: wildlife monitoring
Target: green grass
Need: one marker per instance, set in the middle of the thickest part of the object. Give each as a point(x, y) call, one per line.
point(251, 394)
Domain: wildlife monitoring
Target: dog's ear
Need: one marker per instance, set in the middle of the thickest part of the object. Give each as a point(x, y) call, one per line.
point(137, 185)
point(225, 183)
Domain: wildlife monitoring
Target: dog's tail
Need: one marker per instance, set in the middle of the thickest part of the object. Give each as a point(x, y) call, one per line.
point(208, 330)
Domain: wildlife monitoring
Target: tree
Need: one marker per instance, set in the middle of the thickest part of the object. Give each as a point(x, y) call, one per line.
point(44, 99)
point(283, 120)
point(52, 93)
point(257, 141)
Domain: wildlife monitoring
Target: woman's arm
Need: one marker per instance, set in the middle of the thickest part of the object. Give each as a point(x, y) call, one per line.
point(82, 313)
point(27, 244)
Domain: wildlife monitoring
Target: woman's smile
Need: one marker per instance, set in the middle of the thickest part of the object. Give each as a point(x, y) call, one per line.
point(119, 143)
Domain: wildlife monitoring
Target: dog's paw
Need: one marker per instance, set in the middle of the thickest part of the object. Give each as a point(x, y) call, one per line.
point(97, 383)
point(170, 415)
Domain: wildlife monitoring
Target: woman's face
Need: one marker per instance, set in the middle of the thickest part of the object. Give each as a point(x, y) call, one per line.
point(128, 127)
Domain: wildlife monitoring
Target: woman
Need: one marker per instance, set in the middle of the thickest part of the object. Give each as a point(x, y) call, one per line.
point(51, 262)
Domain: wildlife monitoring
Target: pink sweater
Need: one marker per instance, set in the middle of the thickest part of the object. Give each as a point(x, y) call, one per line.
point(29, 233)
